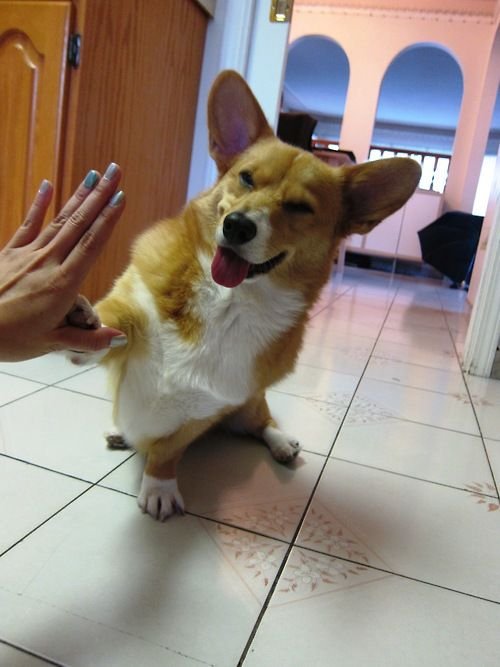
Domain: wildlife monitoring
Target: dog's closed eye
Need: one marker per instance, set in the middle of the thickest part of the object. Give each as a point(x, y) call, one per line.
point(246, 179)
point(297, 207)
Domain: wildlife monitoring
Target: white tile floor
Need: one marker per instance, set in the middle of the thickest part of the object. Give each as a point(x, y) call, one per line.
point(380, 546)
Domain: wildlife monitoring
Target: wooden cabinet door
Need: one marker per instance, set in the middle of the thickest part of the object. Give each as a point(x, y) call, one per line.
point(133, 101)
point(33, 39)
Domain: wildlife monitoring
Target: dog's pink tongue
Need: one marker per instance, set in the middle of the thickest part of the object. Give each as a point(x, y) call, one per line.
point(228, 269)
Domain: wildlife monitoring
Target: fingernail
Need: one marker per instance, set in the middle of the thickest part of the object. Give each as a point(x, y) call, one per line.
point(91, 179)
point(118, 341)
point(110, 171)
point(117, 198)
point(44, 186)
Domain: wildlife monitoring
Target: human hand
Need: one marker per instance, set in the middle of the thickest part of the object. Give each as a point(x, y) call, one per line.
point(41, 270)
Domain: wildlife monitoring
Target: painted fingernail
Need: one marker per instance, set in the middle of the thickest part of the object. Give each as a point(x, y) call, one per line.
point(118, 341)
point(110, 171)
point(91, 179)
point(44, 186)
point(117, 198)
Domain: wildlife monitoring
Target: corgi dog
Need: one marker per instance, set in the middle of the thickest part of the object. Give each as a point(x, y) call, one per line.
point(215, 302)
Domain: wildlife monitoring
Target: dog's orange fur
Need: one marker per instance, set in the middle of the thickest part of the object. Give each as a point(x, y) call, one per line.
point(343, 200)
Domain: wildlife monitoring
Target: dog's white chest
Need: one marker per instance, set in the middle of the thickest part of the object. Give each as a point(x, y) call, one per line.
point(181, 381)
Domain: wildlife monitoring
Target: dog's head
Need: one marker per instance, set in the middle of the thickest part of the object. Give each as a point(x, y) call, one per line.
point(280, 210)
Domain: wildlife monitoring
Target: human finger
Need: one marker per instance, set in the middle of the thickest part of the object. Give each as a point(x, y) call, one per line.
point(86, 214)
point(79, 261)
point(87, 340)
point(76, 200)
point(33, 222)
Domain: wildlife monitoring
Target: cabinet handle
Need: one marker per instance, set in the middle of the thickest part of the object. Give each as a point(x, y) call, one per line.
point(74, 48)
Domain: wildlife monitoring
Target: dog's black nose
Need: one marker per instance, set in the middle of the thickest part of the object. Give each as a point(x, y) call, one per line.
point(239, 229)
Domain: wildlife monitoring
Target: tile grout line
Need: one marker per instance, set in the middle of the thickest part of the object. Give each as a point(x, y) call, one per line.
point(292, 543)
point(27, 651)
point(485, 449)
point(387, 382)
point(20, 398)
point(362, 375)
point(46, 468)
point(80, 393)
point(399, 419)
point(400, 575)
point(93, 485)
point(329, 304)
point(196, 515)
point(412, 363)
point(48, 385)
point(417, 479)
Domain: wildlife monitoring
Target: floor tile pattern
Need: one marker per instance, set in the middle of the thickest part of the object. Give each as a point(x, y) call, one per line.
point(379, 545)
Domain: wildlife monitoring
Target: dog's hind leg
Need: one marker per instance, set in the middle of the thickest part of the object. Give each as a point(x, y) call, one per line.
point(254, 417)
point(116, 440)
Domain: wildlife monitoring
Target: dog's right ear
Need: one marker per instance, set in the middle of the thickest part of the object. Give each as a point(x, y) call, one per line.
point(235, 119)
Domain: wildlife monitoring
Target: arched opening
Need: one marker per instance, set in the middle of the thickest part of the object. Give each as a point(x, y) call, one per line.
point(316, 80)
point(418, 110)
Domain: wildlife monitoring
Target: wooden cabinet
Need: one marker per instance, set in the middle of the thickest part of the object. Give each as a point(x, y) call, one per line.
point(132, 100)
point(397, 236)
point(33, 39)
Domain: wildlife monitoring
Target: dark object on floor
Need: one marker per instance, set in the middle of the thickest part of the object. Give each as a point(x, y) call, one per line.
point(404, 267)
point(296, 129)
point(449, 244)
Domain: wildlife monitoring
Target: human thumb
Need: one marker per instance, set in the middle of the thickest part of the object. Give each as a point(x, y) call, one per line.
point(88, 340)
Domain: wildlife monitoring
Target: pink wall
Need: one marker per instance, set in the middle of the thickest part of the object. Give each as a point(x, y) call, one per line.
point(372, 39)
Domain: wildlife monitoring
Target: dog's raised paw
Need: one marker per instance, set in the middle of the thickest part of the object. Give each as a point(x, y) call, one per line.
point(284, 448)
point(82, 315)
point(160, 498)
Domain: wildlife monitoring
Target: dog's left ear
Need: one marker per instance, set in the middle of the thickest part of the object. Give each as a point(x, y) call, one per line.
point(374, 190)
point(235, 119)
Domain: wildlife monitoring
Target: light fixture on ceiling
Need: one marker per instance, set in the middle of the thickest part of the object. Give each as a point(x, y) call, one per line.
point(281, 11)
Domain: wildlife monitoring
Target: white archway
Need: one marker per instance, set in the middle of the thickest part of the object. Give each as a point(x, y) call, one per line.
point(418, 109)
point(316, 81)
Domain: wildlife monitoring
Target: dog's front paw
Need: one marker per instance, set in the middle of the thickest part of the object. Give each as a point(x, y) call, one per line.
point(82, 315)
point(283, 448)
point(160, 498)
